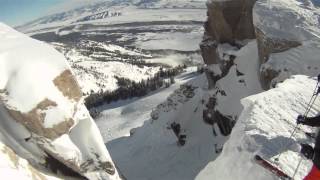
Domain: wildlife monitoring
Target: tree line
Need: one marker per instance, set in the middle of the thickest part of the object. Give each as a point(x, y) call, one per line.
point(129, 89)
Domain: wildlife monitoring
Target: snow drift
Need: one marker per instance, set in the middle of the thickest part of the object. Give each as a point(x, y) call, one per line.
point(41, 110)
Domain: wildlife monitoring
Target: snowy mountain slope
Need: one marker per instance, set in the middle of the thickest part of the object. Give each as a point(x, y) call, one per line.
point(43, 118)
point(96, 64)
point(152, 152)
point(152, 148)
point(287, 44)
point(144, 35)
point(264, 127)
point(118, 118)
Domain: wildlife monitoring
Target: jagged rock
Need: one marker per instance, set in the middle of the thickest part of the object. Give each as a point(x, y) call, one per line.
point(229, 21)
point(225, 123)
point(208, 50)
point(212, 116)
point(267, 46)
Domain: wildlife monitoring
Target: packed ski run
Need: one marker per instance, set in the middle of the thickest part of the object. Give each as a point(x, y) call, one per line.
point(250, 111)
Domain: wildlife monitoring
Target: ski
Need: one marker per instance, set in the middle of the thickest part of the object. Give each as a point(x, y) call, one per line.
point(272, 168)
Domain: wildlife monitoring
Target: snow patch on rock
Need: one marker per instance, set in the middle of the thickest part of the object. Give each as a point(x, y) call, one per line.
point(42, 112)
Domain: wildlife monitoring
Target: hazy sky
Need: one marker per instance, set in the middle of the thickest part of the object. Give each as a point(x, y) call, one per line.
point(17, 12)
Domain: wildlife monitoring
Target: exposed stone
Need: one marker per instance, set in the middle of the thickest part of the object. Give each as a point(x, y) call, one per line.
point(245, 27)
point(209, 51)
point(212, 116)
point(225, 123)
point(209, 111)
point(67, 84)
point(34, 120)
point(224, 65)
point(229, 21)
point(267, 46)
point(56, 164)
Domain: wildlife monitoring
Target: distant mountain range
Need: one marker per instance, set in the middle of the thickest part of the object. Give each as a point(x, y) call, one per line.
point(103, 11)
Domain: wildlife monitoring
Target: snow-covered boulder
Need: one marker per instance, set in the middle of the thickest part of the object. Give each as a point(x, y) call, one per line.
point(264, 127)
point(43, 118)
point(288, 34)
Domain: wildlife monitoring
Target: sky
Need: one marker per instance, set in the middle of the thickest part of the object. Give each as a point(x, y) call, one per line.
point(18, 12)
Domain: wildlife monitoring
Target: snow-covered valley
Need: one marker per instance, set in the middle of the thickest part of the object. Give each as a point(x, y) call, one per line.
point(122, 36)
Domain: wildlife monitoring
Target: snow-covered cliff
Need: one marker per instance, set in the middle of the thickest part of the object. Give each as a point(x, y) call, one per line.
point(288, 33)
point(264, 127)
point(287, 36)
point(43, 118)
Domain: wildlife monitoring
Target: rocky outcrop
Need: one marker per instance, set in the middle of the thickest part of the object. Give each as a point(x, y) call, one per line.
point(42, 114)
point(228, 22)
point(287, 34)
point(212, 117)
point(267, 46)
point(281, 26)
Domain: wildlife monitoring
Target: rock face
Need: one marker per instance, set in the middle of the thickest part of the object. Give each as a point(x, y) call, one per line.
point(287, 34)
point(281, 26)
point(266, 121)
point(228, 22)
point(43, 117)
